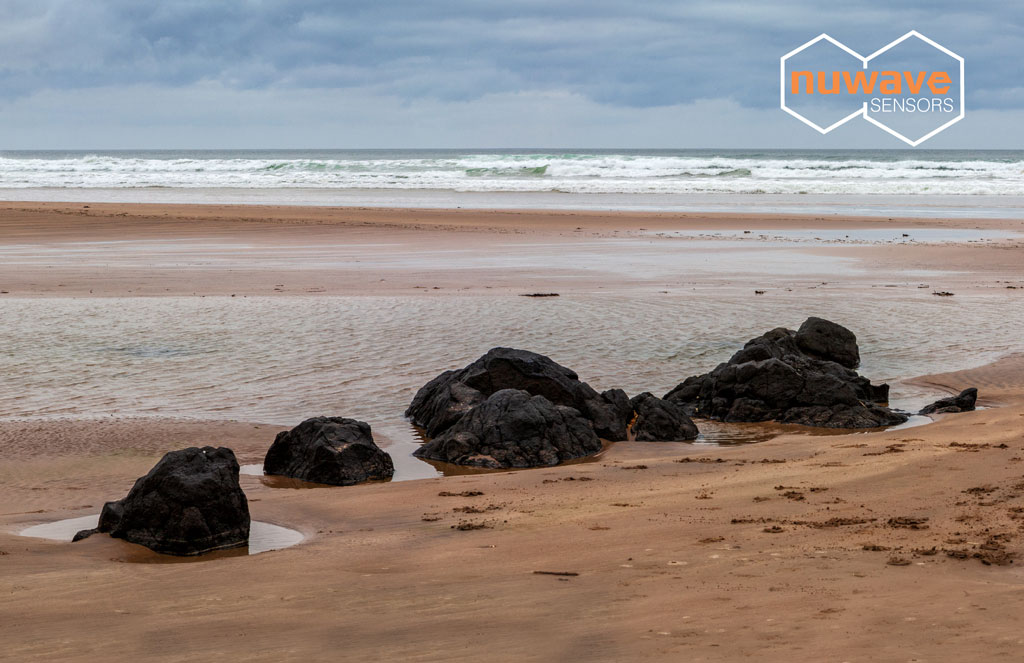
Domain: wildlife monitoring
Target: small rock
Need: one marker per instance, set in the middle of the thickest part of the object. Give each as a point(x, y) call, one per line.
point(962, 402)
point(661, 420)
point(330, 450)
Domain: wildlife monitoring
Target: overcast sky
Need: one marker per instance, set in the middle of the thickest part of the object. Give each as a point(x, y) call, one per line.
point(93, 74)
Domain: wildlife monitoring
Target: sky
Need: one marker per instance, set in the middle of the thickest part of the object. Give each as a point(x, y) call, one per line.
point(180, 74)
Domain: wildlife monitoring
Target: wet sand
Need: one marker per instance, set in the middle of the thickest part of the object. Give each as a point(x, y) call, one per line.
point(890, 546)
point(60, 249)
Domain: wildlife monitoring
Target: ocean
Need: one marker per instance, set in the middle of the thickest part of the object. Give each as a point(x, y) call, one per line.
point(941, 182)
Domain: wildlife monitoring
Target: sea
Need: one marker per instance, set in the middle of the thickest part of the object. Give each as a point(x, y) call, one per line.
point(986, 183)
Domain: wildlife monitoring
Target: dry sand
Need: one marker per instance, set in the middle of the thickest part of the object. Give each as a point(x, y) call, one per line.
point(892, 546)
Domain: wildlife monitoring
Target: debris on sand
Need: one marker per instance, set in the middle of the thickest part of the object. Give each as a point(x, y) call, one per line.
point(466, 526)
point(712, 539)
point(907, 522)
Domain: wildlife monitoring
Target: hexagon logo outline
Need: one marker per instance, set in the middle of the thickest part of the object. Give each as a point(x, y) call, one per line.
point(862, 111)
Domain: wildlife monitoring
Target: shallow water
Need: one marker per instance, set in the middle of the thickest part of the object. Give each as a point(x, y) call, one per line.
point(854, 236)
point(280, 360)
point(263, 536)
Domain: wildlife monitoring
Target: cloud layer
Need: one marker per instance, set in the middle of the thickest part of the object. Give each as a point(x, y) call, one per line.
point(627, 59)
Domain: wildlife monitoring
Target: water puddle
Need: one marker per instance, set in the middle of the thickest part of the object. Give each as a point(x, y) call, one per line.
point(281, 481)
point(263, 537)
point(914, 421)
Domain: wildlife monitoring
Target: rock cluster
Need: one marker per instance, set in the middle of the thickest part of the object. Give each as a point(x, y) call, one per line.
point(800, 377)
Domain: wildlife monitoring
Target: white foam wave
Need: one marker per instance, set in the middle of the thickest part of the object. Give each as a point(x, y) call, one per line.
point(569, 173)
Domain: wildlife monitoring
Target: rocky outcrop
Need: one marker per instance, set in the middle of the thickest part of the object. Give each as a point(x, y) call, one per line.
point(513, 428)
point(962, 402)
point(443, 401)
point(659, 420)
point(800, 377)
point(330, 450)
point(190, 503)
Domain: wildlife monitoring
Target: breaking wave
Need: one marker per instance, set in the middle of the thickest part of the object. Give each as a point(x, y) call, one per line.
point(636, 171)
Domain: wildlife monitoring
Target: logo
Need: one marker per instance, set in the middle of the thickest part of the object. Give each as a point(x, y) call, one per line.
point(912, 88)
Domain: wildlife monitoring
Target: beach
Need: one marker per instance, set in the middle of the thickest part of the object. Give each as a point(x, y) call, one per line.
point(134, 329)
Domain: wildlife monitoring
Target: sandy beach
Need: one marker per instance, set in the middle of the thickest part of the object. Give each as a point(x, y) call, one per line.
point(899, 545)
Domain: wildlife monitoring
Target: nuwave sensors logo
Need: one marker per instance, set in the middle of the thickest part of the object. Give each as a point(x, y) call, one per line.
point(912, 88)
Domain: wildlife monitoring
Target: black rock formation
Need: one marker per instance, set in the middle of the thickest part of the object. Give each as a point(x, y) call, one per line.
point(511, 428)
point(189, 503)
point(331, 450)
point(800, 377)
point(445, 399)
point(659, 420)
point(962, 402)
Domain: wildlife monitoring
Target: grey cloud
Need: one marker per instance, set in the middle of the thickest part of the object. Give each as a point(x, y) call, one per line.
point(635, 54)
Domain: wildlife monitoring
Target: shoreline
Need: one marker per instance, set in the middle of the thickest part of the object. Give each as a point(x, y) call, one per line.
point(894, 205)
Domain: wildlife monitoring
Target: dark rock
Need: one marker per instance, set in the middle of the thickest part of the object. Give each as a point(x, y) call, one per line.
point(445, 399)
point(84, 534)
point(189, 503)
point(331, 450)
point(514, 429)
point(801, 377)
point(826, 340)
point(962, 402)
point(661, 420)
point(612, 416)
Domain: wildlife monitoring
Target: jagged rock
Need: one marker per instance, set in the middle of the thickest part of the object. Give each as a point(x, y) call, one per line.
point(962, 402)
point(331, 450)
point(448, 397)
point(660, 420)
point(792, 377)
point(511, 428)
point(188, 504)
